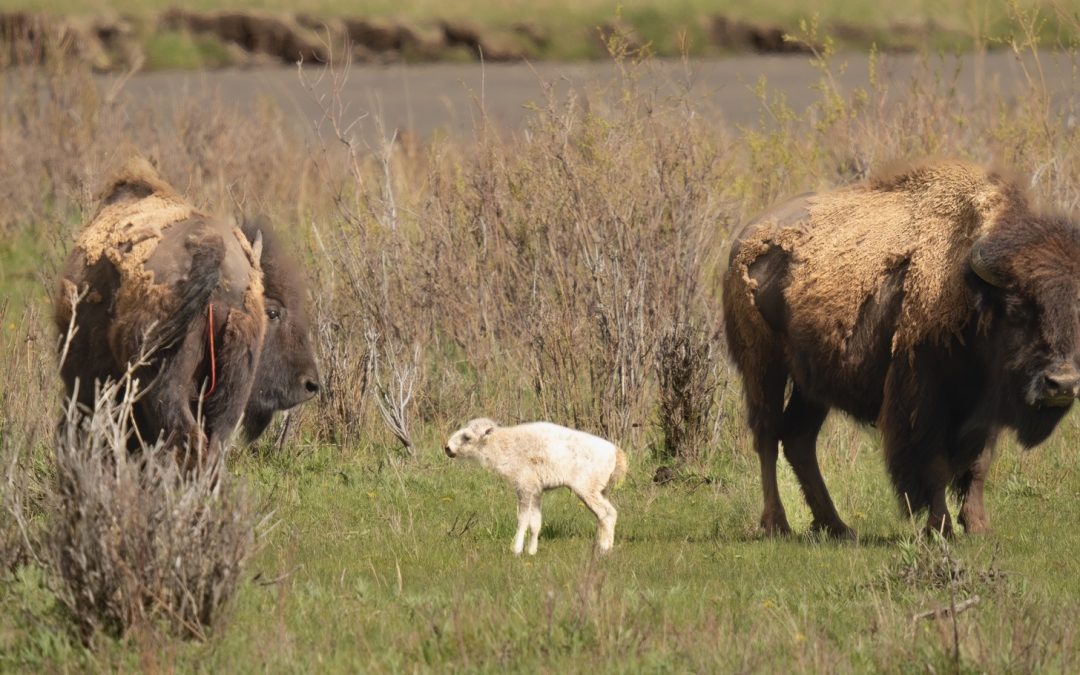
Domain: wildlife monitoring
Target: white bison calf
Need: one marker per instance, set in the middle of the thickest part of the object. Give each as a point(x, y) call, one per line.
point(541, 456)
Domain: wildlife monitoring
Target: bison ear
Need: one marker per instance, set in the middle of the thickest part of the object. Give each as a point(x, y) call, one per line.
point(983, 267)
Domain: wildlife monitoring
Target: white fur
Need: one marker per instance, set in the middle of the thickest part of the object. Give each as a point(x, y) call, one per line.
point(541, 456)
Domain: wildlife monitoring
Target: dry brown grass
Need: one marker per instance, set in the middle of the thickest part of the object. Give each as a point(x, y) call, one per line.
point(133, 542)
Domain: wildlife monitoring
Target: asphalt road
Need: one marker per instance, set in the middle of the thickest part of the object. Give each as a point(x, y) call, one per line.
point(426, 97)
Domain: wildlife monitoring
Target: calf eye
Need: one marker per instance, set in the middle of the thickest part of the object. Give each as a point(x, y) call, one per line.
point(273, 314)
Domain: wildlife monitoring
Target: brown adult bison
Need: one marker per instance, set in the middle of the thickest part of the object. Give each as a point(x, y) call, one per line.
point(932, 302)
point(220, 308)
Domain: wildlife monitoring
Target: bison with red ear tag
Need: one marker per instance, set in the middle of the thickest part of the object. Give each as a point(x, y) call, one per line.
point(287, 375)
point(932, 301)
point(151, 276)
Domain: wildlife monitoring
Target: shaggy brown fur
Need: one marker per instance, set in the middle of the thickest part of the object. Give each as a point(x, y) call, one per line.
point(866, 298)
point(149, 268)
point(924, 217)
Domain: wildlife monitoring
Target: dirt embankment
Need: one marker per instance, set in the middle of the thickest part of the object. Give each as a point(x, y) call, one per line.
point(242, 38)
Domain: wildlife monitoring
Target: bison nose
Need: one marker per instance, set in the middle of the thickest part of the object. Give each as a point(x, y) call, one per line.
point(1062, 385)
point(449, 452)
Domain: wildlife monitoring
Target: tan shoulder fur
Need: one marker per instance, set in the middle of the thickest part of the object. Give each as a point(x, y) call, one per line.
point(924, 216)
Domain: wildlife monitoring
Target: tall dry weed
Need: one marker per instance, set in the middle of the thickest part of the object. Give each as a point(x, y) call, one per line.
point(134, 541)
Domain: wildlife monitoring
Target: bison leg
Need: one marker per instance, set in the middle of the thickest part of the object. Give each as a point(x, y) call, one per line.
point(765, 405)
point(166, 409)
point(972, 510)
point(235, 363)
point(939, 520)
point(916, 440)
point(802, 421)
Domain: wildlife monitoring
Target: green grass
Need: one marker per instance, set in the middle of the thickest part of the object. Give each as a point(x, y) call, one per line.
point(375, 567)
point(181, 51)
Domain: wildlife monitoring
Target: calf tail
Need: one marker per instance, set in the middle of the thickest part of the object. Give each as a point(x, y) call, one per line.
point(619, 472)
point(194, 296)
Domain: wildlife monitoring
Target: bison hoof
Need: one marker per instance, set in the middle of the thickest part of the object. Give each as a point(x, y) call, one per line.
point(935, 527)
point(975, 524)
point(775, 526)
point(838, 530)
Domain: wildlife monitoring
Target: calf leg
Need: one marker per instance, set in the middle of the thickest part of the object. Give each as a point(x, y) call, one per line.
point(606, 516)
point(524, 515)
point(535, 520)
point(802, 422)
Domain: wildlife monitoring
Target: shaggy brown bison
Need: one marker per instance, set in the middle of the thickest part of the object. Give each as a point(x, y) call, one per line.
point(931, 301)
point(220, 310)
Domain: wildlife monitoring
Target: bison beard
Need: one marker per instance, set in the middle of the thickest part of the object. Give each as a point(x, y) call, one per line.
point(931, 301)
point(155, 275)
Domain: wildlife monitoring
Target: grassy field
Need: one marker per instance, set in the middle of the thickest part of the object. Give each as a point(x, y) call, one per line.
point(408, 568)
point(523, 275)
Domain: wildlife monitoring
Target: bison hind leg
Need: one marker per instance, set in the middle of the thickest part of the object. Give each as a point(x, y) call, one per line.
point(765, 404)
point(802, 422)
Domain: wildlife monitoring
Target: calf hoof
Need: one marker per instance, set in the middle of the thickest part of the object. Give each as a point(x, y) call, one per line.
point(835, 530)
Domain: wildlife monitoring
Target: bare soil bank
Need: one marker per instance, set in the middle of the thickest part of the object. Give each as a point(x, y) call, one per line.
point(260, 38)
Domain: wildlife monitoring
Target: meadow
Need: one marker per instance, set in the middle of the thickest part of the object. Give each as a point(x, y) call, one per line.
point(568, 271)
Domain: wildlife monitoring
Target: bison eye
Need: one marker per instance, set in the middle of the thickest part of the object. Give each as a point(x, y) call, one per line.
point(273, 314)
point(466, 437)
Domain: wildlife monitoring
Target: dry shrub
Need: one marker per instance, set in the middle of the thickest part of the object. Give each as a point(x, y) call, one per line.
point(688, 365)
point(540, 266)
point(26, 348)
point(132, 540)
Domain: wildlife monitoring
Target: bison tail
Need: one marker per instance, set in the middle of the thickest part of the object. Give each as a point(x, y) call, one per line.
point(194, 295)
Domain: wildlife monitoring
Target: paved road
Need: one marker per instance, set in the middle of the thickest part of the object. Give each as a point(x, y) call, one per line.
point(423, 98)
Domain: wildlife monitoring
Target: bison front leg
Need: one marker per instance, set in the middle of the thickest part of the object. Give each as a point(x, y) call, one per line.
point(972, 510)
point(234, 364)
point(166, 408)
point(916, 442)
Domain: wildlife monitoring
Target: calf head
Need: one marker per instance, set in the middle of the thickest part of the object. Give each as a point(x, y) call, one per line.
point(287, 375)
point(464, 442)
point(1029, 282)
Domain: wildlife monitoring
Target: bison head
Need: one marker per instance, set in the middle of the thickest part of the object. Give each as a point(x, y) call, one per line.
point(464, 442)
point(287, 375)
point(1029, 282)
